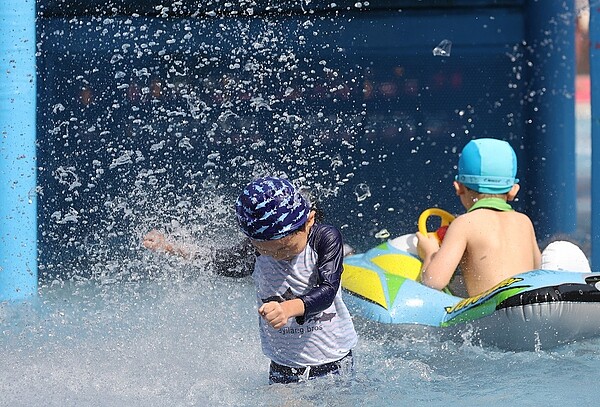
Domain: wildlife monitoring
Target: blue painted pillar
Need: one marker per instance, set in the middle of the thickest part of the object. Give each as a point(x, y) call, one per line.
point(550, 143)
point(595, 88)
point(18, 203)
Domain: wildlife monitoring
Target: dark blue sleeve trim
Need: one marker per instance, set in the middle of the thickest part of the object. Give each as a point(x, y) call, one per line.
point(328, 244)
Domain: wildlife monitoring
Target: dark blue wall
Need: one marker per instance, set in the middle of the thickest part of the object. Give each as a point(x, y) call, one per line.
point(143, 117)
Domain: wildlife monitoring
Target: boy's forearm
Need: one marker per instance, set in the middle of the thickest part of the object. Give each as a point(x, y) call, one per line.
point(293, 308)
point(428, 278)
point(424, 276)
point(427, 257)
point(426, 263)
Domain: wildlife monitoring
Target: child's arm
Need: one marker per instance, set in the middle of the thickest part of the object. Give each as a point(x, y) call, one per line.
point(439, 263)
point(278, 313)
point(236, 261)
point(330, 250)
point(537, 254)
point(329, 246)
point(156, 241)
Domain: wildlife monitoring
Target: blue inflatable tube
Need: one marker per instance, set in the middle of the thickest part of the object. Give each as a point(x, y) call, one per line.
point(18, 209)
point(533, 310)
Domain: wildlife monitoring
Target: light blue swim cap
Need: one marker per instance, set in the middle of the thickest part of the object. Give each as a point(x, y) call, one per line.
point(488, 166)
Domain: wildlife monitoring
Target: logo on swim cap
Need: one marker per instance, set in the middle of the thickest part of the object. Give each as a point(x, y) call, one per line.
point(488, 166)
point(270, 208)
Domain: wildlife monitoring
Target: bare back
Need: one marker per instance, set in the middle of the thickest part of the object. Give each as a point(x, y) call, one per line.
point(498, 245)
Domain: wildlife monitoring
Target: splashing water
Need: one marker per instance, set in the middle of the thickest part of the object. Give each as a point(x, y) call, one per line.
point(362, 192)
point(194, 343)
point(443, 49)
point(383, 234)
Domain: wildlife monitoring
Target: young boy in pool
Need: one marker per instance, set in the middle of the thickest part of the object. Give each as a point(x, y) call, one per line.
point(305, 327)
point(491, 242)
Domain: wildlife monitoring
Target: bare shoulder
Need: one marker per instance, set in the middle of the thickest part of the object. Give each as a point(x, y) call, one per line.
point(462, 223)
point(467, 219)
point(521, 217)
point(488, 218)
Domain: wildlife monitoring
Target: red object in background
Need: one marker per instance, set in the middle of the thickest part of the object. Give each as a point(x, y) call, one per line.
point(582, 89)
point(441, 232)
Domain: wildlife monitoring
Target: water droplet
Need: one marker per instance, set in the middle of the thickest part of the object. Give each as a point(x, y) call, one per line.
point(443, 49)
point(382, 234)
point(362, 192)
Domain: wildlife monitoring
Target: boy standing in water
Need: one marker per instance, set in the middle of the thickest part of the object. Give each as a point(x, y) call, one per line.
point(491, 242)
point(305, 327)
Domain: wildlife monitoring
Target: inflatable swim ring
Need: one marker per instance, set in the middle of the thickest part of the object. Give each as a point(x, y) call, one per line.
point(533, 310)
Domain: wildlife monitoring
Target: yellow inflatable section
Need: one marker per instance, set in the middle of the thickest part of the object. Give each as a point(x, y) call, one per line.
point(369, 284)
point(377, 275)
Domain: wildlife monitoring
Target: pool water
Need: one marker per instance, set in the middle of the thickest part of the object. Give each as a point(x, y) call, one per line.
point(178, 341)
point(154, 332)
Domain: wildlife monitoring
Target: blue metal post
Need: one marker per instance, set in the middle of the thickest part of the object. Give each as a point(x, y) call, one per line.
point(550, 144)
point(18, 204)
point(595, 89)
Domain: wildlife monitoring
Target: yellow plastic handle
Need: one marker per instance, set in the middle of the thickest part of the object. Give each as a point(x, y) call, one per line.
point(445, 216)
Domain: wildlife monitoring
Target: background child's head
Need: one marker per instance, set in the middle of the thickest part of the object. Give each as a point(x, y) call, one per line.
point(488, 166)
point(271, 208)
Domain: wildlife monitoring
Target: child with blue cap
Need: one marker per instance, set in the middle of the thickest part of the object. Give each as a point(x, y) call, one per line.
point(305, 327)
point(491, 241)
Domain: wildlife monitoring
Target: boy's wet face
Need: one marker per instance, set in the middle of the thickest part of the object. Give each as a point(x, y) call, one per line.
point(285, 248)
